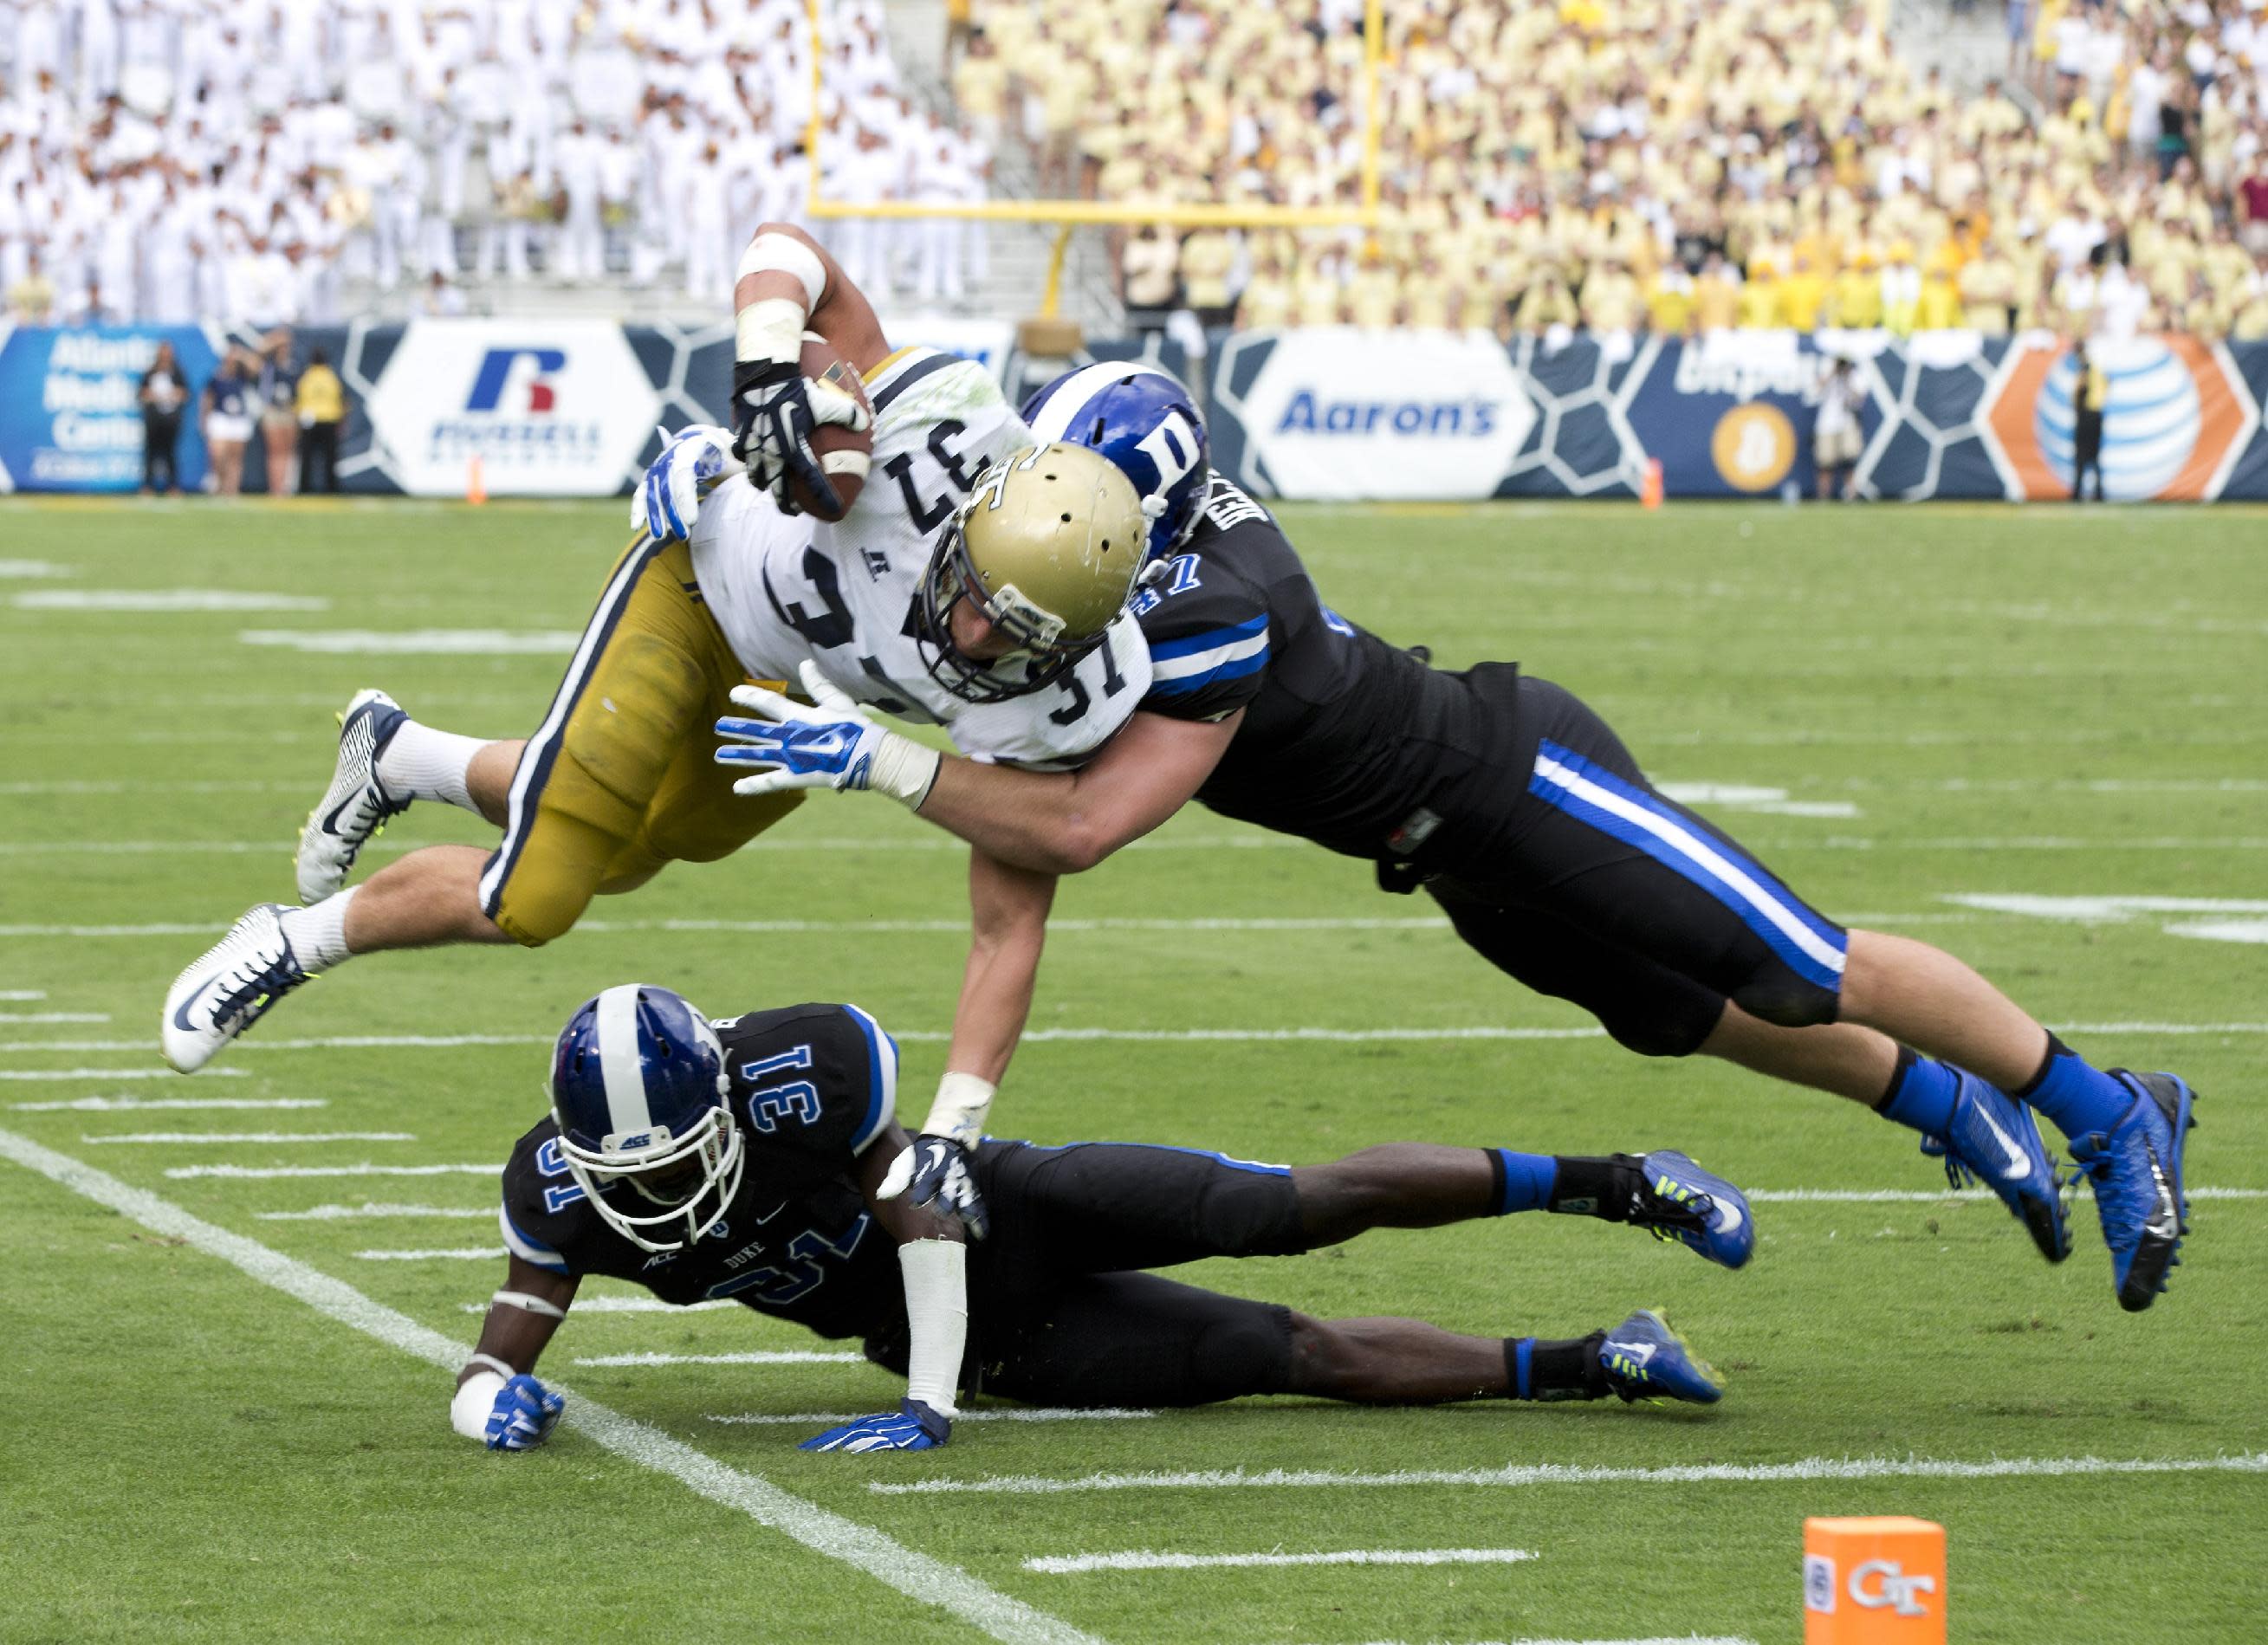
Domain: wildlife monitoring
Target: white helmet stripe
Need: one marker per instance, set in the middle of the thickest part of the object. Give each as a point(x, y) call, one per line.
point(618, 1060)
point(1054, 420)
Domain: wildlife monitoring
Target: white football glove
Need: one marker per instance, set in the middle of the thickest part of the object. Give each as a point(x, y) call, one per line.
point(669, 499)
point(833, 744)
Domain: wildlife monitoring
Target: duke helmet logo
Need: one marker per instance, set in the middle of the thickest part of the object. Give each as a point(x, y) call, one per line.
point(511, 368)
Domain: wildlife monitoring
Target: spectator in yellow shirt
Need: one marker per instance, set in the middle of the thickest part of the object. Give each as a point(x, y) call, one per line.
point(1856, 302)
point(1759, 302)
point(322, 405)
point(1670, 301)
point(1716, 296)
point(1939, 308)
point(1803, 295)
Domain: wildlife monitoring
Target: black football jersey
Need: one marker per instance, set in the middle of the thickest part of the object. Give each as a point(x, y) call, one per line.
point(1346, 741)
point(813, 1086)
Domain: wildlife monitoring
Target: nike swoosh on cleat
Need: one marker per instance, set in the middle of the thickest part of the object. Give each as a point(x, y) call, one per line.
point(2018, 1165)
point(181, 1012)
point(1733, 1218)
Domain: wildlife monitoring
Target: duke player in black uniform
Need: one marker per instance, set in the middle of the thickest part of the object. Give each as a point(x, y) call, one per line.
point(1520, 810)
point(742, 1160)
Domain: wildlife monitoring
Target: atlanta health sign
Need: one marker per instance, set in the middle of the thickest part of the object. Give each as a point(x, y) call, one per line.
point(551, 407)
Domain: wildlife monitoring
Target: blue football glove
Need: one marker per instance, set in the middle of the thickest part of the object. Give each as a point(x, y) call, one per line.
point(913, 1426)
point(667, 500)
point(934, 1173)
point(832, 744)
point(526, 1413)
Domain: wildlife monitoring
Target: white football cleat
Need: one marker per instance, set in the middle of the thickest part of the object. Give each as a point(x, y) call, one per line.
point(357, 805)
point(229, 988)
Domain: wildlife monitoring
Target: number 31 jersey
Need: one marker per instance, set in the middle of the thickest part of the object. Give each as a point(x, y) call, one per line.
point(847, 595)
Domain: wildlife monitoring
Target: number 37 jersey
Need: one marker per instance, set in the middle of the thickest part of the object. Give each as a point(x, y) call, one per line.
point(847, 595)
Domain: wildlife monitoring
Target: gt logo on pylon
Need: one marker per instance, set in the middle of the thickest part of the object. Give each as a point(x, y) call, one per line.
point(1880, 1584)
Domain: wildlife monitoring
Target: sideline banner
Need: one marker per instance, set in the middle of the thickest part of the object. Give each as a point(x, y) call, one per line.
point(71, 418)
point(568, 408)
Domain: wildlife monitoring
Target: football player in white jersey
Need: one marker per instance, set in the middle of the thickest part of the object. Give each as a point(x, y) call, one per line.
point(725, 582)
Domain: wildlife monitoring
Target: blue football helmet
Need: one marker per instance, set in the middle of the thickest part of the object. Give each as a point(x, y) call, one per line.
point(1141, 417)
point(639, 1091)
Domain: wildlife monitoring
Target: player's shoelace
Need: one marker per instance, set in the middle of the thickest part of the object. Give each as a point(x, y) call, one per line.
point(250, 988)
point(1656, 1207)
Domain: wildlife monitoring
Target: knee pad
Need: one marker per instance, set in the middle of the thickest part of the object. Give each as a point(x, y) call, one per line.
point(1778, 995)
point(1241, 1350)
point(1663, 1029)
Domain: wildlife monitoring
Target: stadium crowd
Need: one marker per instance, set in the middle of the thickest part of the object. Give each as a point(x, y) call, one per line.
point(170, 160)
point(1674, 164)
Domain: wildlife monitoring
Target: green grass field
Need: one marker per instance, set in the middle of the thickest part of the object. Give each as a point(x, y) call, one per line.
point(1951, 701)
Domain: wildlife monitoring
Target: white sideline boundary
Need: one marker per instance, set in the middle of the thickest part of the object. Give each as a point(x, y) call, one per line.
point(124, 1104)
point(762, 1356)
point(919, 1577)
point(1035, 1414)
point(197, 1137)
point(372, 1208)
point(1144, 1560)
point(1809, 1470)
point(1656, 1639)
point(609, 1304)
point(455, 1253)
point(939, 1036)
point(259, 1172)
point(112, 1074)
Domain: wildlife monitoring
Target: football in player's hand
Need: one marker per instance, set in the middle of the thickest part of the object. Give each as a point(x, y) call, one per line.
point(843, 454)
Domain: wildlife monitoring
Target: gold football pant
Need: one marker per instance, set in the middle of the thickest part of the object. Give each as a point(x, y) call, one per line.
point(619, 779)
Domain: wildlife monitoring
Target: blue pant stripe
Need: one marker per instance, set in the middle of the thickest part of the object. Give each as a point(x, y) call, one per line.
point(1823, 969)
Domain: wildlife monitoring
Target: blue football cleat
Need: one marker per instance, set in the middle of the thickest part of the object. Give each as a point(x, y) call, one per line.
point(2135, 1167)
point(1644, 1359)
point(1992, 1139)
point(1679, 1200)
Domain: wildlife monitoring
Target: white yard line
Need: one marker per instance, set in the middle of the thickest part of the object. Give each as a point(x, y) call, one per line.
point(455, 1254)
point(255, 1172)
point(122, 1104)
point(54, 1017)
point(1036, 1413)
point(1521, 1474)
point(616, 1305)
point(1917, 1196)
point(773, 1357)
point(254, 1136)
point(927, 1581)
point(113, 1074)
point(1144, 1560)
point(371, 1208)
point(939, 1036)
point(23, 993)
point(1654, 1639)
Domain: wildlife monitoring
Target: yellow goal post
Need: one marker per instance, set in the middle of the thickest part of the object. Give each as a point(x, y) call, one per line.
point(1069, 215)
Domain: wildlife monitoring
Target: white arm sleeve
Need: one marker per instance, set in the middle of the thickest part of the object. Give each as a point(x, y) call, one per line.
point(936, 1311)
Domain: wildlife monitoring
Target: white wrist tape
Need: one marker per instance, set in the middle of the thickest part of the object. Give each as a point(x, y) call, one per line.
point(904, 770)
point(469, 1412)
point(775, 252)
point(963, 1100)
point(532, 1304)
point(936, 1312)
point(769, 329)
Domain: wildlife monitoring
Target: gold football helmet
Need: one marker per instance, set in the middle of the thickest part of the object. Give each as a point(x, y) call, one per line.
point(1047, 549)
